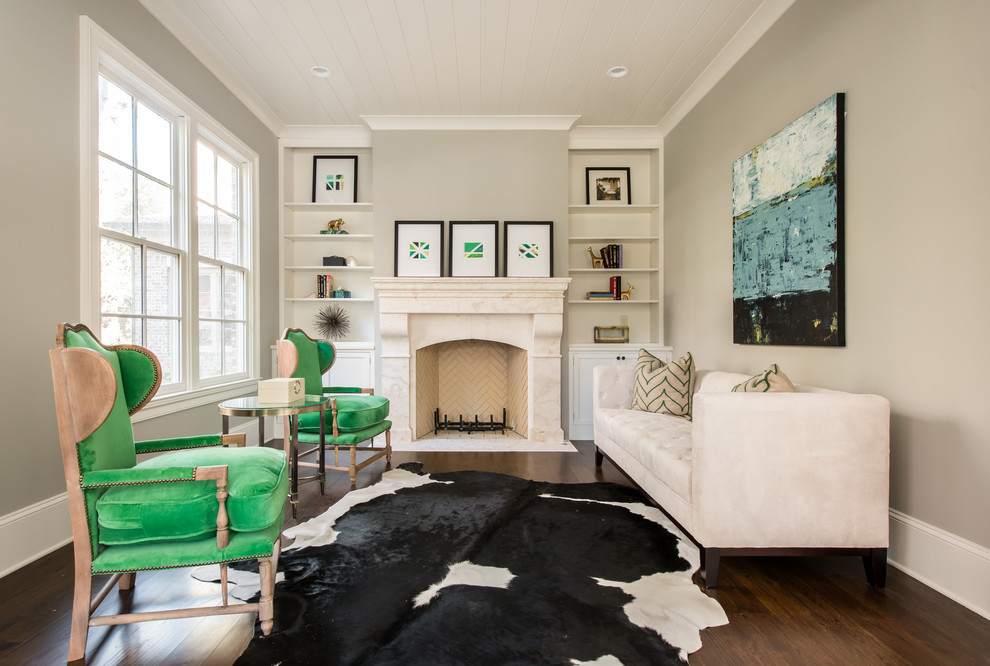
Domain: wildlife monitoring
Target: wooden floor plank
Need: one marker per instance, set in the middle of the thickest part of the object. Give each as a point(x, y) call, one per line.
point(781, 610)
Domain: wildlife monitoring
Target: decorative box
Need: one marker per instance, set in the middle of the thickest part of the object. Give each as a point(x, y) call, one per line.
point(341, 293)
point(333, 261)
point(611, 334)
point(281, 391)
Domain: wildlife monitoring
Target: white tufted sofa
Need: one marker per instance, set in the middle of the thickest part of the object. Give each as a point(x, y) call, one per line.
point(757, 473)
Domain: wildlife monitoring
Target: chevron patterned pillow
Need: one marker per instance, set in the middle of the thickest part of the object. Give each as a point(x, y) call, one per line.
point(664, 389)
point(771, 380)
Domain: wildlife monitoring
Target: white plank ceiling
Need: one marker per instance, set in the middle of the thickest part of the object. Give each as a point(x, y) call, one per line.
point(468, 57)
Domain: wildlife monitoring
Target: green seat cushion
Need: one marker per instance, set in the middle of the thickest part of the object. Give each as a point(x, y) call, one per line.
point(347, 438)
point(354, 413)
point(257, 483)
point(139, 556)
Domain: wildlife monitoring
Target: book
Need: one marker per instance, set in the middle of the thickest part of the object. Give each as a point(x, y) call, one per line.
point(615, 286)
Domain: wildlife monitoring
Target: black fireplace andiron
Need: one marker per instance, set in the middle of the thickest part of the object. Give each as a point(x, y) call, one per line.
point(460, 425)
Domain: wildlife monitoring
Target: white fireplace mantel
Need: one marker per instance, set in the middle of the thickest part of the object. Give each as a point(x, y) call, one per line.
point(416, 312)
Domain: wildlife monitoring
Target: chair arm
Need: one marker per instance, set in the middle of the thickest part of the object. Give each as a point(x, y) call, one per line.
point(132, 476)
point(803, 469)
point(348, 389)
point(193, 442)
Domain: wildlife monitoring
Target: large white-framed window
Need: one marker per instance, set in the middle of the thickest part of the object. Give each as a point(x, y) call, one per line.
point(168, 251)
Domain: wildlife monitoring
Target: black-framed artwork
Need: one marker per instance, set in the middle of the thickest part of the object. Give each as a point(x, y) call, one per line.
point(335, 178)
point(473, 249)
point(607, 186)
point(528, 249)
point(418, 248)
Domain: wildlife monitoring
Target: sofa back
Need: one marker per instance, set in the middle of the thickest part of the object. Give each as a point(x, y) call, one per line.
point(717, 381)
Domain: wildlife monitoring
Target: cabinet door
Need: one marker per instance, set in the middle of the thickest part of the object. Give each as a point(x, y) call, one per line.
point(352, 368)
point(582, 368)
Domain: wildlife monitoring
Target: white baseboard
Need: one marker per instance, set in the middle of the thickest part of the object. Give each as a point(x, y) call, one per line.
point(948, 564)
point(38, 529)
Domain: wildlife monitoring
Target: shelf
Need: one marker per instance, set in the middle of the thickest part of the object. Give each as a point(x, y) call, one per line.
point(604, 210)
point(604, 271)
point(335, 269)
point(585, 301)
point(603, 238)
point(330, 300)
point(364, 238)
point(303, 206)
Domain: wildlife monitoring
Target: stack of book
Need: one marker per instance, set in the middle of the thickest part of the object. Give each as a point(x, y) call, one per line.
point(612, 256)
point(324, 286)
point(614, 291)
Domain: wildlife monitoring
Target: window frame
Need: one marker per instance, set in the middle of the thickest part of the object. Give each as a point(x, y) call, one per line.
point(100, 54)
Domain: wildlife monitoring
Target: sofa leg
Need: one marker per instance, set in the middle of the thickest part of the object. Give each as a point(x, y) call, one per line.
point(599, 457)
point(709, 566)
point(876, 567)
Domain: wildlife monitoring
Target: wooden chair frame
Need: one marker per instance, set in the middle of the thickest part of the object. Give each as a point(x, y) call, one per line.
point(85, 389)
point(287, 357)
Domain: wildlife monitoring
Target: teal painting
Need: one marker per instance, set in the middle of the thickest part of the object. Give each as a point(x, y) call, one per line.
point(787, 234)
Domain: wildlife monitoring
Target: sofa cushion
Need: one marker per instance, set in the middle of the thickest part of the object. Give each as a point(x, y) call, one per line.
point(771, 380)
point(661, 443)
point(664, 389)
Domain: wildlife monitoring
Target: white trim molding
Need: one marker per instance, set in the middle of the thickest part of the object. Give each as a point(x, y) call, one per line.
point(482, 122)
point(949, 564)
point(33, 532)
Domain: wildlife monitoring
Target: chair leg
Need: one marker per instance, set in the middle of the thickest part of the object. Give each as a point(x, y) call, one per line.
point(266, 605)
point(353, 470)
point(81, 599)
point(223, 583)
point(876, 567)
point(388, 445)
point(709, 566)
point(599, 457)
point(127, 581)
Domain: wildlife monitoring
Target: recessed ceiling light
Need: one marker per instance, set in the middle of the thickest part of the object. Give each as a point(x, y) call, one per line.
point(320, 71)
point(618, 71)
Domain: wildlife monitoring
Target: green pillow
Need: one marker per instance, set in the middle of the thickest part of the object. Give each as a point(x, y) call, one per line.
point(664, 388)
point(771, 380)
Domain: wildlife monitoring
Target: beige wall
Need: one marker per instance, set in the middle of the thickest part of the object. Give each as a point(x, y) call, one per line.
point(915, 74)
point(39, 215)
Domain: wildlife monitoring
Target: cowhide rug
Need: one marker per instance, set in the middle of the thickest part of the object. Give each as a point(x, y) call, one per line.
point(480, 568)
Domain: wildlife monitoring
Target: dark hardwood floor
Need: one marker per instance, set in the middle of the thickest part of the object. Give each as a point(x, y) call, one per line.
point(781, 610)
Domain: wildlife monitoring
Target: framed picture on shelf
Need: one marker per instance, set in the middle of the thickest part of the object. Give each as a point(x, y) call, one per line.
point(607, 186)
point(335, 178)
point(528, 249)
point(418, 249)
point(473, 249)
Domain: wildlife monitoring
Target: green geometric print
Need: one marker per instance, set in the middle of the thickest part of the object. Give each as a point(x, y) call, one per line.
point(529, 250)
point(335, 182)
point(664, 389)
point(419, 250)
point(474, 250)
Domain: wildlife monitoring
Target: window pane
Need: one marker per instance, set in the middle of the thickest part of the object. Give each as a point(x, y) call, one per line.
point(233, 294)
point(234, 348)
point(205, 176)
point(120, 331)
point(163, 340)
point(207, 231)
point(226, 185)
point(120, 277)
point(227, 239)
point(163, 284)
point(210, 294)
point(154, 144)
point(116, 122)
point(116, 197)
point(210, 348)
point(154, 211)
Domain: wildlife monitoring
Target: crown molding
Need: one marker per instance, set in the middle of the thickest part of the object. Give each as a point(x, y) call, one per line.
point(615, 137)
point(517, 123)
point(337, 136)
point(741, 42)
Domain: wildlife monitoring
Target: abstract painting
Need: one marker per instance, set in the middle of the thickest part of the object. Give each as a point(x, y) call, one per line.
point(418, 249)
point(528, 249)
point(787, 234)
point(473, 249)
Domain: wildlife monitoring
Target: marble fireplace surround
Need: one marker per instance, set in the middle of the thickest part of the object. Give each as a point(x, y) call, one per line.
point(416, 312)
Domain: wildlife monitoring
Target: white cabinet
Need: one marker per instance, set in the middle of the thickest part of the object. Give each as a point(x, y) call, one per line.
point(583, 359)
point(355, 366)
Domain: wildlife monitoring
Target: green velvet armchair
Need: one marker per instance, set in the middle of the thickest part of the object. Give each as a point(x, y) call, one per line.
point(356, 415)
point(204, 503)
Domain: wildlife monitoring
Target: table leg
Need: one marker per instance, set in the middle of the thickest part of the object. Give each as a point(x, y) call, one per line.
point(290, 455)
point(225, 428)
point(261, 431)
point(295, 462)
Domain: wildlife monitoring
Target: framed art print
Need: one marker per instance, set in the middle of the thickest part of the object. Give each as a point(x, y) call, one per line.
point(528, 249)
point(335, 178)
point(473, 249)
point(418, 249)
point(607, 186)
point(788, 286)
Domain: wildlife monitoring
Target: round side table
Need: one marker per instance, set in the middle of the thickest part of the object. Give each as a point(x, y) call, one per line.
point(250, 406)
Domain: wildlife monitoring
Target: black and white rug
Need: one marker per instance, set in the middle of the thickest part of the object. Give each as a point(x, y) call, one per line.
point(481, 568)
